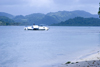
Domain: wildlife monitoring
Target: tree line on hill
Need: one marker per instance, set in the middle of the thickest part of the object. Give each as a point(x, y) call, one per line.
point(4, 21)
point(80, 21)
point(39, 18)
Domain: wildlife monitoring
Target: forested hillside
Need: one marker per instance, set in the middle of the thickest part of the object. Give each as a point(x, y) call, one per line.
point(47, 19)
point(80, 21)
point(6, 21)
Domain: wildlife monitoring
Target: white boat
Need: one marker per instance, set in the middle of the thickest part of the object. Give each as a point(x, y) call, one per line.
point(36, 27)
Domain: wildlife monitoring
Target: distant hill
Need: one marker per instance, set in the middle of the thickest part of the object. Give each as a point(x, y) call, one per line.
point(80, 21)
point(53, 17)
point(21, 19)
point(49, 18)
point(65, 15)
point(34, 18)
point(6, 15)
point(6, 21)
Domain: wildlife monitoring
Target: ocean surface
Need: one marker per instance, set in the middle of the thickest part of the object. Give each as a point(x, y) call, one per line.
point(23, 48)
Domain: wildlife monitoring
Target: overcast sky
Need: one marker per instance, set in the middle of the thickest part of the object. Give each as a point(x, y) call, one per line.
point(25, 7)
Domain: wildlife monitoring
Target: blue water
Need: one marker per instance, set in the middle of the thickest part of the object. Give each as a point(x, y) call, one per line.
point(21, 48)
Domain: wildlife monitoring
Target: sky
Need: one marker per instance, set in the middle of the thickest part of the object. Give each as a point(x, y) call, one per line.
point(25, 7)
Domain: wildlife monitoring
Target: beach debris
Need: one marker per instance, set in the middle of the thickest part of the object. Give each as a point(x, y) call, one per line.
point(77, 62)
point(68, 62)
point(72, 63)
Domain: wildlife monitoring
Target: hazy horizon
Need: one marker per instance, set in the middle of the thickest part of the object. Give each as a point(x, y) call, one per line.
point(48, 12)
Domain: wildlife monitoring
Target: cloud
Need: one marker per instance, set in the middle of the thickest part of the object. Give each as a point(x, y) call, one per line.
point(86, 5)
point(65, 2)
point(40, 3)
point(44, 6)
point(89, 2)
point(12, 2)
point(30, 3)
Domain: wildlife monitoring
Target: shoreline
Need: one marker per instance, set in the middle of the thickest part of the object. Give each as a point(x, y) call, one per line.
point(89, 60)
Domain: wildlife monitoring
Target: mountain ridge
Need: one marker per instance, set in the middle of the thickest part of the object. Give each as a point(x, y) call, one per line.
point(6, 15)
point(49, 18)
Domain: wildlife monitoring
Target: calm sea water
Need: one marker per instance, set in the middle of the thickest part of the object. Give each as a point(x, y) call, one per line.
point(20, 48)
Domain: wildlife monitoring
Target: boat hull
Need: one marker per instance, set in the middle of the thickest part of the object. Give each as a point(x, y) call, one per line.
point(36, 28)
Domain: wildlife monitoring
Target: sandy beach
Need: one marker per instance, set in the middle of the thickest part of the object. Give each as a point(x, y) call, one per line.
point(90, 60)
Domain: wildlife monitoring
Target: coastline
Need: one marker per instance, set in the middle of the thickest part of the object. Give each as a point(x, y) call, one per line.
point(90, 60)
